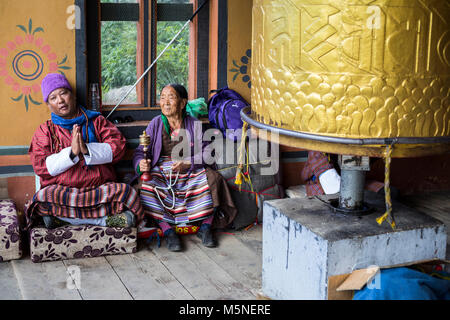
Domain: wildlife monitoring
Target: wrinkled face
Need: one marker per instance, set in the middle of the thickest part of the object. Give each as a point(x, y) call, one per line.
point(171, 104)
point(62, 103)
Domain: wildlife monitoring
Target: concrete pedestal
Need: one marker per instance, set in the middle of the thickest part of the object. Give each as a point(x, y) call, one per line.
point(304, 244)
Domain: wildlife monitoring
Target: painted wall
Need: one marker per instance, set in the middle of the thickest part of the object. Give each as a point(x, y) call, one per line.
point(239, 46)
point(36, 38)
point(34, 41)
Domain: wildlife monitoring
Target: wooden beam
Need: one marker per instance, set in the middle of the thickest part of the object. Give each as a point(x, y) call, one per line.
point(193, 42)
point(213, 43)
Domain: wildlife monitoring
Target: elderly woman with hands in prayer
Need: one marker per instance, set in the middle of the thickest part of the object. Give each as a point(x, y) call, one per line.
point(73, 154)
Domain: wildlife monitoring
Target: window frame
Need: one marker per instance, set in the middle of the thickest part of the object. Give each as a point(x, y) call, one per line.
point(148, 11)
point(113, 12)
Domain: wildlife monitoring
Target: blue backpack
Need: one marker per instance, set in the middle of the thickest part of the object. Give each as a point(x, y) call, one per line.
point(224, 111)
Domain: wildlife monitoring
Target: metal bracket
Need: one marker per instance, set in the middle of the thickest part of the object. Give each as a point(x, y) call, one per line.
point(347, 162)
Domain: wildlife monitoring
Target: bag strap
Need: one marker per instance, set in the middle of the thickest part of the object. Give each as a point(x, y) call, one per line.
point(218, 90)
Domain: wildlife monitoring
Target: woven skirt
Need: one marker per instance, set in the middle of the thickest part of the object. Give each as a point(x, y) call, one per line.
point(176, 198)
point(85, 203)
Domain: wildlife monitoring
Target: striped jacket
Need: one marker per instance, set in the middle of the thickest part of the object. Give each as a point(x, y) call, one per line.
point(45, 143)
point(316, 164)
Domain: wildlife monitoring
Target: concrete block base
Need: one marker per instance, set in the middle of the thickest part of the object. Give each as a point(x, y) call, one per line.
point(304, 244)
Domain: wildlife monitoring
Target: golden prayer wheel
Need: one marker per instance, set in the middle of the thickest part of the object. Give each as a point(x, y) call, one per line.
point(350, 77)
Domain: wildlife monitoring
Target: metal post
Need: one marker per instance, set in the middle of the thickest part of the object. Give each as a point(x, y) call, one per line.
point(351, 196)
point(353, 176)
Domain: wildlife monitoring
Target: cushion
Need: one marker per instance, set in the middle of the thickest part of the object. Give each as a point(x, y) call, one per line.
point(10, 242)
point(74, 242)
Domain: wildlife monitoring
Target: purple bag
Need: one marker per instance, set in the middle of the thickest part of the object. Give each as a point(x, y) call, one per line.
point(224, 110)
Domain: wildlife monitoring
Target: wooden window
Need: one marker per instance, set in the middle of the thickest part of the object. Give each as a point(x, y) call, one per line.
point(123, 37)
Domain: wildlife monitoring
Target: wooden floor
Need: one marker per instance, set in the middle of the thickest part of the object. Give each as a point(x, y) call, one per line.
point(435, 204)
point(230, 271)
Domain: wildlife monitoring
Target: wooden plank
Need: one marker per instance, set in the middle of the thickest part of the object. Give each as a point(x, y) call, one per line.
point(9, 288)
point(441, 217)
point(240, 262)
point(431, 207)
point(150, 264)
point(146, 278)
point(435, 202)
point(436, 205)
point(442, 198)
point(252, 238)
point(98, 280)
point(187, 273)
point(433, 213)
point(421, 205)
point(46, 280)
point(358, 279)
point(216, 275)
point(4, 188)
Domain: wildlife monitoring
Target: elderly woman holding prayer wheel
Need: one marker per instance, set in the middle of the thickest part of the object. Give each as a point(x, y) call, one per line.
point(182, 190)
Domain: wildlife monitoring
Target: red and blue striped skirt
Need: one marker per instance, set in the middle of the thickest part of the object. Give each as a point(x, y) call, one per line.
point(188, 199)
point(85, 203)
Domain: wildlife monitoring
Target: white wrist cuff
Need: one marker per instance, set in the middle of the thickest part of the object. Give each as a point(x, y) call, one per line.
point(99, 153)
point(330, 181)
point(60, 162)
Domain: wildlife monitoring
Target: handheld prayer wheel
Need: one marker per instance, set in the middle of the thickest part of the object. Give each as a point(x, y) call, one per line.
point(144, 141)
point(356, 75)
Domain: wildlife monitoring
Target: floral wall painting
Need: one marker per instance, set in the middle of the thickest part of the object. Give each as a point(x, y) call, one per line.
point(241, 70)
point(35, 40)
point(239, 42)
point(25, 60)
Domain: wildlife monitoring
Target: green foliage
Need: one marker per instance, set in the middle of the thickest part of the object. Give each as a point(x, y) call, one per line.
point(173, 1)
point(118, 48)
point(173, 66)
point(118, 1)
point(118, 54)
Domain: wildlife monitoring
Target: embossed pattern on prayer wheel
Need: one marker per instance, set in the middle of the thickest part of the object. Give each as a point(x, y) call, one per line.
point(353, 69)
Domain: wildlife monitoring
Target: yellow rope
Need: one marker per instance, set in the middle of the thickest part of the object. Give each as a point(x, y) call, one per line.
point(387, 191)
point(239, 174)
point(247, 173)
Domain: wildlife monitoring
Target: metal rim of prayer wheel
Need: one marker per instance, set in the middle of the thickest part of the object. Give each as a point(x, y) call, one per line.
point(404, 147)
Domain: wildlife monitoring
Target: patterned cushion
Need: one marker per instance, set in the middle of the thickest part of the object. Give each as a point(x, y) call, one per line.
point(10, 244)
point(74, 242)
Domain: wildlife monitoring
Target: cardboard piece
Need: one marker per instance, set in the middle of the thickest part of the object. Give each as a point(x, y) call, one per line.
point(358, 278)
